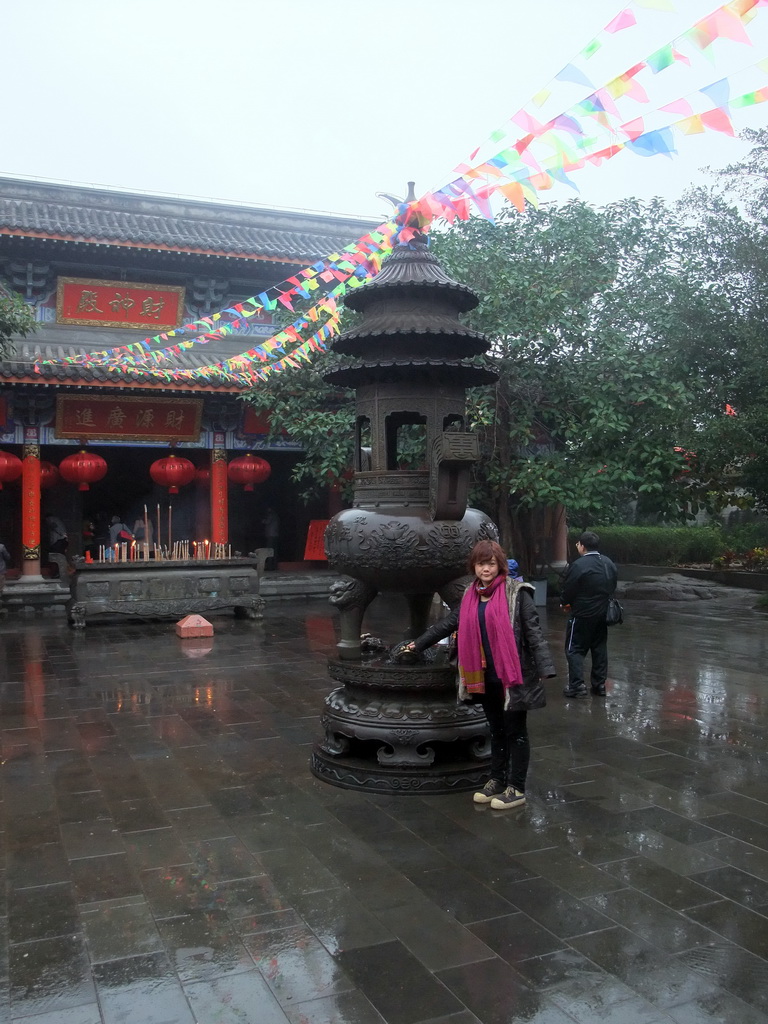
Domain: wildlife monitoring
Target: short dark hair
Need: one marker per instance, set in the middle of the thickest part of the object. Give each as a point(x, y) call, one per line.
point(488, 551)
point(589, 540)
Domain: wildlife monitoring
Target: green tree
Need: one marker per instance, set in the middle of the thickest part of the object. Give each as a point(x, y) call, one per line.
point(584, 307)
point(732, 216)
point(746, 180)
point(16, 319)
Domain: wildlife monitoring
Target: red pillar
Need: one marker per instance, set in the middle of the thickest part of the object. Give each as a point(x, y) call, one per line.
point(30, 502)
point(219, 501)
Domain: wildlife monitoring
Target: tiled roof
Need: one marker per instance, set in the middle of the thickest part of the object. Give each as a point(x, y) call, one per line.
point(186, 225)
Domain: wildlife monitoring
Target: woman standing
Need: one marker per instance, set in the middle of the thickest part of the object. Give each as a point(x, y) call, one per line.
point(503, 657)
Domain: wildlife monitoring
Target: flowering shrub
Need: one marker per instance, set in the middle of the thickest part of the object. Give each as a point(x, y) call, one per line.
point(754, 560)
point(725, 560)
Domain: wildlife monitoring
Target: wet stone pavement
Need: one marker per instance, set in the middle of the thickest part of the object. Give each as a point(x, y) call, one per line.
point(169, 858)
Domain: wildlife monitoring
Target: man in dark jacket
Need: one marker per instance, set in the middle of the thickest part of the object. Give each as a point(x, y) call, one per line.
point(588, 584)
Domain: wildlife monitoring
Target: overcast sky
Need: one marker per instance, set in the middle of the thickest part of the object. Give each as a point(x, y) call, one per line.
point(318, 105)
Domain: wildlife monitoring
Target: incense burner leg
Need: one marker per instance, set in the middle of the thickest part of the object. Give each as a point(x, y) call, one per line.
point(351, 597)
point(419, 606)
point(453, 592)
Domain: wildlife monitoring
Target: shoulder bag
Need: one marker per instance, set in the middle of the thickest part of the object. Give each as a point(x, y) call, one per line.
point(614, 613)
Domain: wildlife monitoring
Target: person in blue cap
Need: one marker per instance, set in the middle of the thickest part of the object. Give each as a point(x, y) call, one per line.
point(514, 569)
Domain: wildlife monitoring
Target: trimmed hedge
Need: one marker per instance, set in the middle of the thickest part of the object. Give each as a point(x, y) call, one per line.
point(658, 545)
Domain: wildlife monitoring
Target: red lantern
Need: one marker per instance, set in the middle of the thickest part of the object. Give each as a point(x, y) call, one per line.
point(83, 469)
point(49, 475)
point(172, 472)
point(249, 470)
point(10, 468)
point(203, 477)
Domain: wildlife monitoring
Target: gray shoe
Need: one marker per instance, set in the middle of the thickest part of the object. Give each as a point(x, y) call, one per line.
point(511, 797)
point(491, 789)
point(577, 692)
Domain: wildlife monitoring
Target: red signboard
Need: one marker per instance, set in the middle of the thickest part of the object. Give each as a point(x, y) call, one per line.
point(256, 423)
point(114, 418)
point(150, 307)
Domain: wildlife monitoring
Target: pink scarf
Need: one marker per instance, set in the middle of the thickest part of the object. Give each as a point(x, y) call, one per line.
point(501, 637)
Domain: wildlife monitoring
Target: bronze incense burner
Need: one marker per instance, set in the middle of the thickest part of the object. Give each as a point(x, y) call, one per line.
point(398, 728)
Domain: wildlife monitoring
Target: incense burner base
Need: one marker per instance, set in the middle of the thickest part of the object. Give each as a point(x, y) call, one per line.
point(399, 729)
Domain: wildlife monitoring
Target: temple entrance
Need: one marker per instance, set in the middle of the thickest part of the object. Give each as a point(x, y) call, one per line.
point(128, 487)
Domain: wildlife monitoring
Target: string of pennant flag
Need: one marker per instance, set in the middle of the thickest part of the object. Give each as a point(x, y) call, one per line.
point(572, 136)
point(726, 22)
point(544, 169)
point(537, 152)
point(330, 278)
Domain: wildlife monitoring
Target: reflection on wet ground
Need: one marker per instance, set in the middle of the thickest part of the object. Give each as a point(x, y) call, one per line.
point(169, 858)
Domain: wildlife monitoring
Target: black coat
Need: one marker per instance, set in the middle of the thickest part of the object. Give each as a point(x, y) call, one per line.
point(587, 585)
point(535, 658)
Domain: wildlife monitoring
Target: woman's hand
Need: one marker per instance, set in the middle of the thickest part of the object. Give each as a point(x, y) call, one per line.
point(405, 651)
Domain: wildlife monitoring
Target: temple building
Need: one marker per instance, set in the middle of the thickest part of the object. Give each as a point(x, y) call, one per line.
point(103, 268)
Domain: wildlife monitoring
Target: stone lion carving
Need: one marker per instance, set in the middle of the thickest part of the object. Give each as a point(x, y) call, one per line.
point(347, 591)
point(351, 597)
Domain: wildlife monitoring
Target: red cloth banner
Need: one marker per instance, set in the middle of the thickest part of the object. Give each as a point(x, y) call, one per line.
point(118, 304)
point(315, 547)
point(133, 418)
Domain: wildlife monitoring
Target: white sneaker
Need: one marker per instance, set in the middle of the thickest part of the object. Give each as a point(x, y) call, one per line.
point(491, 789)
point(511, 797)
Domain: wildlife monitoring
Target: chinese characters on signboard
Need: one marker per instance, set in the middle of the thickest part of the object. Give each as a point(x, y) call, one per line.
point(113, 418)
point(154, 308)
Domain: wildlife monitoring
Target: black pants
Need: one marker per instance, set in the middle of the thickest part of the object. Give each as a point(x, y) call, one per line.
point(510, 746)
point(582, 637)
